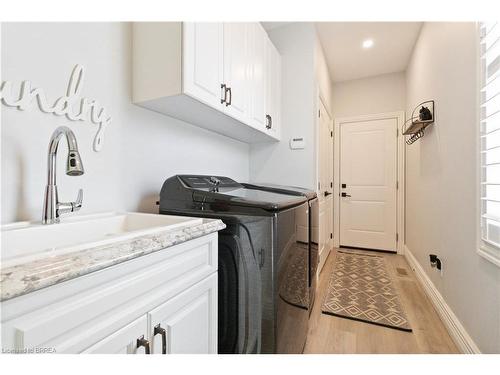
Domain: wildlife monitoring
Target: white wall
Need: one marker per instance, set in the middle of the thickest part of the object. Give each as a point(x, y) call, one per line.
point(276, 162)
point(141, 148)
point(379, 94)
point(304, 73)
point(323, 80)
point(441, 179)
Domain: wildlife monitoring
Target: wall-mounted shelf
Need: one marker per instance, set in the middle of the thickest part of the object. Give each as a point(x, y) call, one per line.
point(417, 126)
point(418, 123)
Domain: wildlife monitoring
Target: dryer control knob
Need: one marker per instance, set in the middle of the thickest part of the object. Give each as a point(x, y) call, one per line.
point(214, 181)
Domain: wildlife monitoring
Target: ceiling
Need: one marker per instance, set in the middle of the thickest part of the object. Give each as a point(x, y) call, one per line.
point(346, 59)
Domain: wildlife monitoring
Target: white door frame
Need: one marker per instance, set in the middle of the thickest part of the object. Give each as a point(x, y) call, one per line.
point(320, 98)
point(400, 177)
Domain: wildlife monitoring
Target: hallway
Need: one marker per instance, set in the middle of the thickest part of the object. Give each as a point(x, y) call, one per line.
point(331, 334)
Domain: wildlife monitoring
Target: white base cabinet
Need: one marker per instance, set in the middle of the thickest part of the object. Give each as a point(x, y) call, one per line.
point(163, 302)
point(213, 75)
point(187, 323)
point(125, 340)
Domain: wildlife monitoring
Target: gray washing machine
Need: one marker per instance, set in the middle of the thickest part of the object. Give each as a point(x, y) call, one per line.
point(313, 227)
point(263, 260)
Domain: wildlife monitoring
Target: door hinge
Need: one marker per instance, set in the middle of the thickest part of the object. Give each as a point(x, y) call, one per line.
point(397, 185)
point(331, 184)
point(319, 185)
point(331, 134)
point(331, 235)
point(397, 237)
point(319, 112)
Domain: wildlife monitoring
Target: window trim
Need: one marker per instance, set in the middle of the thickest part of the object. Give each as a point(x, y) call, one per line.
point(485, 248)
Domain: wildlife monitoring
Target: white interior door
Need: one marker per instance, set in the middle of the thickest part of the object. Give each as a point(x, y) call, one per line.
point(325, 188)
point(368, 161)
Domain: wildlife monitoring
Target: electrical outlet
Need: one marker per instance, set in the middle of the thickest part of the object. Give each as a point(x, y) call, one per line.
point(436, 263)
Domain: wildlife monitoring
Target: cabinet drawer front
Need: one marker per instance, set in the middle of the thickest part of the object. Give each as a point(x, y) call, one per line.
point(190, 320)
point(97, 309)
point(123, 341)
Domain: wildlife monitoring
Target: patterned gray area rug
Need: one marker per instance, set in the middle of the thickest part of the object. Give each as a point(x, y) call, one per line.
point(360, 288)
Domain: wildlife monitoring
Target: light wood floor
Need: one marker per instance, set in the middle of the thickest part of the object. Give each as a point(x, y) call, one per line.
point(331, 334)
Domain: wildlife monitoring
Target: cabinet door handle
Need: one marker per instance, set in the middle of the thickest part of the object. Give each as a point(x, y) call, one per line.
point(141, 341)
point(268, 122)
point(228, 102)
point(163, 332)
point(223, 93)
point(345, 195)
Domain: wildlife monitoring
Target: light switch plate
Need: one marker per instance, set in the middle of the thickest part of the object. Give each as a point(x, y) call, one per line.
point(297, 143)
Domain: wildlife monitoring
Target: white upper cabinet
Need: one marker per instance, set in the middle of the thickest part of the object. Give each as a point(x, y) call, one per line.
point(257, 73)
point(273, 91)
point(202, 64)
point(213, 75)
point(236, 78)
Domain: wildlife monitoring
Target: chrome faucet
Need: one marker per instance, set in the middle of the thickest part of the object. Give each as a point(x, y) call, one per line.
point(52, 208)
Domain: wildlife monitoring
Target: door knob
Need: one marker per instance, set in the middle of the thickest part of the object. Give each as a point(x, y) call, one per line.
point(346, 195)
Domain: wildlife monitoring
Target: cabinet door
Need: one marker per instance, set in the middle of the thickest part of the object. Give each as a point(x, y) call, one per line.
point(203, 56)
point(189, 321)
point(273, 85)
point(258, 75)
point(236, 68)
point(124, 341)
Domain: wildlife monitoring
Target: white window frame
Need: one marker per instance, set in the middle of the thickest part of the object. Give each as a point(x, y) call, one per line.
point(486, 249)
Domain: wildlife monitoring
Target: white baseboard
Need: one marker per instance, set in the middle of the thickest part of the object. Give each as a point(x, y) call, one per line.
point(450, 320)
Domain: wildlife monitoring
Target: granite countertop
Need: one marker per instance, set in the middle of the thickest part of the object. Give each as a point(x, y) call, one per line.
point(44, 272)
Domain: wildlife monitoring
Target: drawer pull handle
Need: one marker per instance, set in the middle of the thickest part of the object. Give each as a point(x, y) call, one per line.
point(161, 331)
point(228, 102)
point(141, 341)
point(223, 93)
point(269, 122)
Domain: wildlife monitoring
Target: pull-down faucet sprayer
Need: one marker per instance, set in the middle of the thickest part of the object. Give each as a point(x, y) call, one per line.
point(52, 208)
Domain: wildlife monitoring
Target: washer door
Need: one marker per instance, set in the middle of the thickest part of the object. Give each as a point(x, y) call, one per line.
point(240, 306)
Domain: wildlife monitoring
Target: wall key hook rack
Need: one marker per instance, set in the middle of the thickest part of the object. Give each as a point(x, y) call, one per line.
point(418, 123)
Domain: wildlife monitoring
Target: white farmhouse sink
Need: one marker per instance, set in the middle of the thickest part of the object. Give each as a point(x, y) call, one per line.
point(26, 241)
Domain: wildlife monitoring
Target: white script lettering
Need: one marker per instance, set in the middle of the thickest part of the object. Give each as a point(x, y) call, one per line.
point(71, 105)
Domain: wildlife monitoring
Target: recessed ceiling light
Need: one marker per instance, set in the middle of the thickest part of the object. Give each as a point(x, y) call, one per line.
point(367, 43)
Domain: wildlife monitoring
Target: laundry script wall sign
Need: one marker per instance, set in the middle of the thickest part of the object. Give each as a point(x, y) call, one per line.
point(71, 105)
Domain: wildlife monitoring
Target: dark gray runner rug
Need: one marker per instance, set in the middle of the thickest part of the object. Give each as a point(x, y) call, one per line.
point(360, 288)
